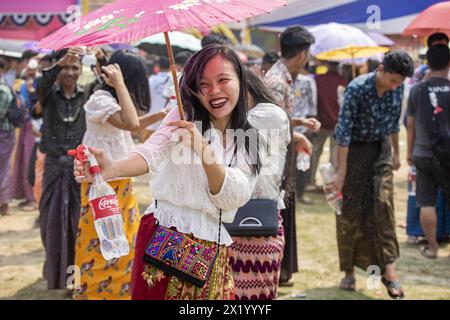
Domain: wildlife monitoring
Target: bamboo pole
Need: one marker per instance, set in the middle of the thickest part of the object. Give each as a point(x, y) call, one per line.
point(174, 74)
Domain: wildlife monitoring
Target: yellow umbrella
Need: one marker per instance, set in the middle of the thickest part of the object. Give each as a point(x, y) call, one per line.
point(351, 52)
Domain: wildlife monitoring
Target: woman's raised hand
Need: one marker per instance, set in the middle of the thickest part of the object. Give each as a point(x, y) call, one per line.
point(106, 163)
point(112, 75)
point(188, 134)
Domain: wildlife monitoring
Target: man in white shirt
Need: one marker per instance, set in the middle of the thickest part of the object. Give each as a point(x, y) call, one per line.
point(180, 59)
point(157, 84)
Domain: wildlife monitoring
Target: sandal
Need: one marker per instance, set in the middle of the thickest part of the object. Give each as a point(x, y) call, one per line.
point(412, 240)
point(5, 210)
point(427, 254)
point(288, 283)
point(394, 288)
point(348, 284)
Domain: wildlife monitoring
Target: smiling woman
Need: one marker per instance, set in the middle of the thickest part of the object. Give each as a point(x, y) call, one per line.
point(192, 198)
point(219, 88)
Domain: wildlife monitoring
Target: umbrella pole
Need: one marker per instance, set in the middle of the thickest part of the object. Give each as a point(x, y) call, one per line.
point(353, 66)
point(174, 74)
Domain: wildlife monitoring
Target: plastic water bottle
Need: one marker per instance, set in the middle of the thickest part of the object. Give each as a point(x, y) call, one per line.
point(412, 181)
point(333, 197)
point(303, 160)
point(104, 205)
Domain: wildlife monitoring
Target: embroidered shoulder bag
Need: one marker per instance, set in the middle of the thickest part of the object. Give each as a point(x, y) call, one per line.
point(175, 253)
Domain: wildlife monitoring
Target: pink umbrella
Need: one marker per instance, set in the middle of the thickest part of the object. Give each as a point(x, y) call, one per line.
point(125, 21)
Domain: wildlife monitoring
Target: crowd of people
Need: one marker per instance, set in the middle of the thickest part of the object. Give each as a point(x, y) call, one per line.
point(125, 110)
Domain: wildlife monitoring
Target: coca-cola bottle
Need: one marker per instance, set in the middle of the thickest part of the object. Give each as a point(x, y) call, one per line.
point(412, 181)
point(104, 205)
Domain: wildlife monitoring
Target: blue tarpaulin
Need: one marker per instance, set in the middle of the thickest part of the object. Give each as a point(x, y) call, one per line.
point(394, 15)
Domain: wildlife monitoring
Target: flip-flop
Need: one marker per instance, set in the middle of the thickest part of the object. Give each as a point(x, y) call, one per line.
point(426, 253)
point(289, 283)
point(412, 240)
point(348, 284)
point(393, 285)
point(5, 212)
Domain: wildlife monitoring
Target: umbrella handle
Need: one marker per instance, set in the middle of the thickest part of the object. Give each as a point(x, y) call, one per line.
point(174, 74)
point(353, 66)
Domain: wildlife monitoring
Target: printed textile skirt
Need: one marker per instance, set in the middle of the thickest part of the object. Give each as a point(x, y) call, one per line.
point(366, 228)
point(21, 188)
point(150, 283)
point(102, 279)
point(256, 264)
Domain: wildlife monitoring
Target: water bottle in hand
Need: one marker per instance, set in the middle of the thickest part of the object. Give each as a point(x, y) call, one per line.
point(333, 197)
point(303, 160)
point(104, 205)
point(412, 181)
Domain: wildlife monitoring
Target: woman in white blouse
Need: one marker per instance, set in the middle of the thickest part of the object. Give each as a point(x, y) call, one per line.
point(256, 261)
point(206, 175)
point(111, 114)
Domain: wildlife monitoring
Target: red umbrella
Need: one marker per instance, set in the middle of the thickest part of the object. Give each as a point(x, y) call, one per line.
point(125, 21)
point(435, 18)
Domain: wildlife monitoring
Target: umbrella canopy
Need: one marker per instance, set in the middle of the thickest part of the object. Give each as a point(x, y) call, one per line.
point(15, 48)
point(332, 36)
point(435, 18)
point(351, 52)
point(394, 17)
point(380, 38)
point(130, 20)
point(179, 40)
point(250, 50)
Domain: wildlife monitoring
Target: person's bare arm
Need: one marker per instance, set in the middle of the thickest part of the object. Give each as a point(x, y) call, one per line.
point(411, 136)
point(133, 166)
point(126, 118)
point(310, 123)
point(341, 172)
point(396, 150)
point(151, 118)
point(302, 142)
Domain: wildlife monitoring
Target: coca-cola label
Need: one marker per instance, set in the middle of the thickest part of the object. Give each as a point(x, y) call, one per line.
point(105, 206)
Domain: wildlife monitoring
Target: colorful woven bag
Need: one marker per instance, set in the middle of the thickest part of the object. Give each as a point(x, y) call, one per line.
point(175, 253)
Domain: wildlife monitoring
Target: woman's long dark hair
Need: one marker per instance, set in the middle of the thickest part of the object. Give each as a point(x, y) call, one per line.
point(190, 87)
point(261, 94)
point(257, 89)
point(134, 76)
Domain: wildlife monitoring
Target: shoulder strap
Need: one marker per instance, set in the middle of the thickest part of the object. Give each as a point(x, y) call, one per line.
point(220, 210)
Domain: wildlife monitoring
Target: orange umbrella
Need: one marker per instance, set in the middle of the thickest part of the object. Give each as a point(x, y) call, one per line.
point(435, 18)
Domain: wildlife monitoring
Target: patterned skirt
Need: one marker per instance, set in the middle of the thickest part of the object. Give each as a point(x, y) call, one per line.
point(366, 228)
point(102, 279)
point(256, 264)
point(21, 188)
point(150, 283)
